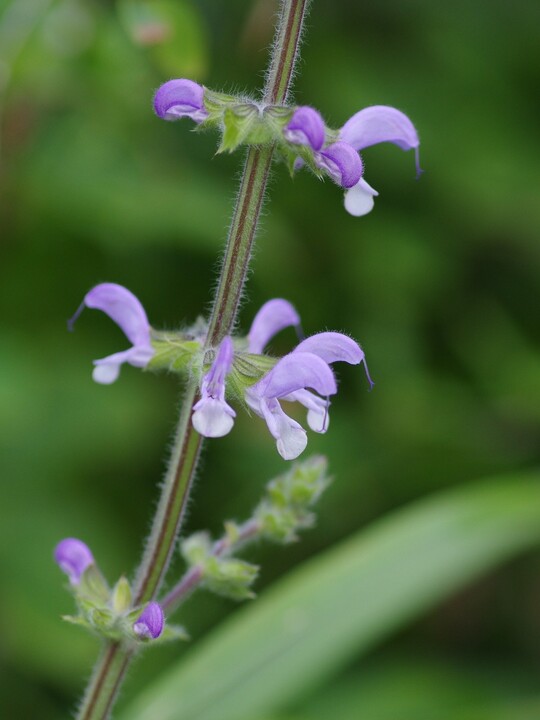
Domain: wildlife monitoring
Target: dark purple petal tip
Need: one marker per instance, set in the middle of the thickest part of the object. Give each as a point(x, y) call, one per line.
point(73, 557)
point(150, 623)
point(306, 127)
point(180, 98)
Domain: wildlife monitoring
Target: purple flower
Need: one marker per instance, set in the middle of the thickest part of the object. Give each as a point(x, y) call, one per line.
point(127, 312)
point(73, 557)
point(176, 99)
point(292, 378)
point(308, 366)
point(212, 416)
point(339, 160)
point(306, 127)
point(149, 626)
point(371, 126)
point(274, 316)
point(293, 373)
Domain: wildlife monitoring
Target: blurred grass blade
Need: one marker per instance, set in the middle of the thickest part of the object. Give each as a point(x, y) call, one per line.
point(345, 601)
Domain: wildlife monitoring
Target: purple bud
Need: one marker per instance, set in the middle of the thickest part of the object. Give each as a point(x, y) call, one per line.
point(180, 98)
point(306, 127)
point(73, 557)
point(150, 622)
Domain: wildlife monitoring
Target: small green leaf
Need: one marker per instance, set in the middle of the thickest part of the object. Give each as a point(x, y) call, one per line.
point(93, 586)
point(230, 577)
point(121, 596)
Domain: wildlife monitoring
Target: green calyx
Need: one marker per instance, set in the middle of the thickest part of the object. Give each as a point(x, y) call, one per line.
point(110, 613)
point(286, 507)
point(243, 121)
point(220, 573)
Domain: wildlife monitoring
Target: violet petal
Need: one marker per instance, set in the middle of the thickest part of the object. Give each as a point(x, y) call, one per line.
point(212, 416)
point(150, 622)
point(274, 316)
point(180, 98)
point(342, 163)
point(127, 312)
point(290, 436)
point(123, 308)
point(295, 371)
point(317, 416)
point(379, 123)
point(73, 556)
point(332, 347)
point(306, 127)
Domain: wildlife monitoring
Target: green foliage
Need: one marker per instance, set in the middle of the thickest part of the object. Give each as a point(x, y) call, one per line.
point(286, 507)
point(345, 601)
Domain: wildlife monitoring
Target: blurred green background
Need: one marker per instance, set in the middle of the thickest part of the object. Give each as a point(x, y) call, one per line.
point(439, 284)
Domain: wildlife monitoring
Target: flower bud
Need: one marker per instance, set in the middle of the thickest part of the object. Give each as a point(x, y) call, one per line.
point(73, 557)
point(149, 625)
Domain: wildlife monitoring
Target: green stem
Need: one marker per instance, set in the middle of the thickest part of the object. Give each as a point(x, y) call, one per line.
point(112, 665)
point(105, 682)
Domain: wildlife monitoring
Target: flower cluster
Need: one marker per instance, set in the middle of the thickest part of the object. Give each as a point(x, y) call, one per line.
point(104, 611)
point(237, 368)
point(300, 133)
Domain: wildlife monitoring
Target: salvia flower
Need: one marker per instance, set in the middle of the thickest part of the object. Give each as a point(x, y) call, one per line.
point(237, 368)
point(149, 625)
point(306, 368)
point(212, 416)
point(127, 312)
point(371, 126)
point(73, 557)
point(180, 98)
point(292, 379)
point(340, 160)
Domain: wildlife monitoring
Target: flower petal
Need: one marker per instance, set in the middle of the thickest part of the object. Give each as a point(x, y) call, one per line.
point(342, 163)
point(290, 436)
point(317, 416)
point(359, 199)
point(332, 347)
point(306, 127)
point(150, 623)
point(213, 418)
point(107, 369)
point(274, 315)
point(180, 98)
point(123, 308)
point(379, 123)
point(296, 371)
point(73, 556)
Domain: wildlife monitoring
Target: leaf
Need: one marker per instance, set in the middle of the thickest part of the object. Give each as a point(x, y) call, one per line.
point(345, 601)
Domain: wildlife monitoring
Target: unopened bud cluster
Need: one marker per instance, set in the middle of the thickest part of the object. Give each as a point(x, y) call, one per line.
point(285, 509)
point(108, 613)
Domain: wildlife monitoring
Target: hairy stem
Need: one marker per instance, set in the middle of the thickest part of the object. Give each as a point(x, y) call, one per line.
point(105, 682)
point(112, 664)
